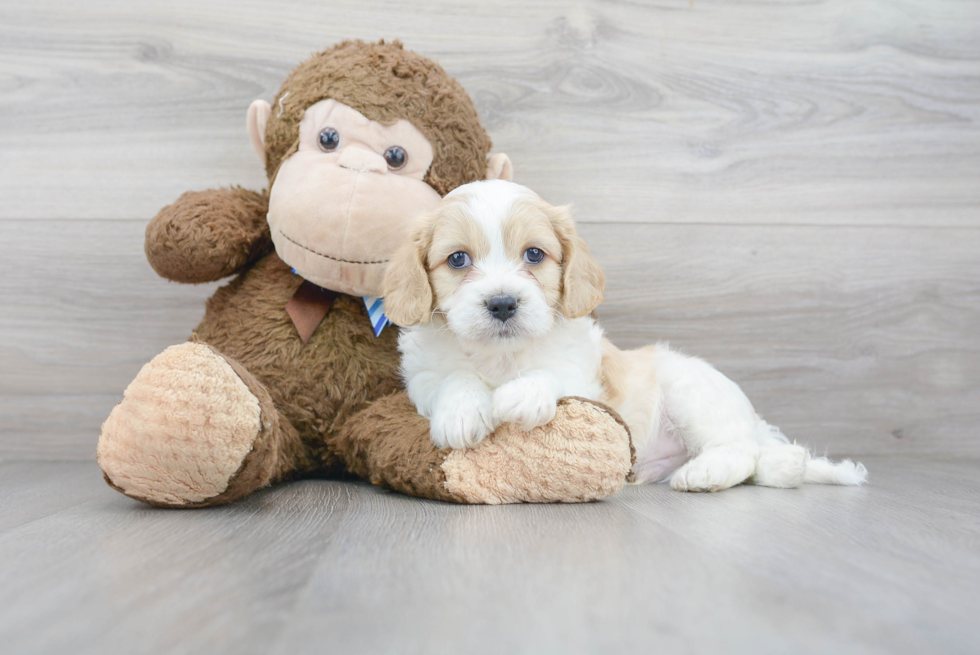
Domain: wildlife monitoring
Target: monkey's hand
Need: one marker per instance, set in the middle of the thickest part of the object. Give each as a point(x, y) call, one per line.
point(584, 454)
point(208, 235)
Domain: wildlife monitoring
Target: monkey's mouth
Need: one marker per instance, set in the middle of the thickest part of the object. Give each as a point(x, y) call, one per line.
point(330, 257)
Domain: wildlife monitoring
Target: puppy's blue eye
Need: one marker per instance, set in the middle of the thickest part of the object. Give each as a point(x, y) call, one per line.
point(459, 260)
point(533, 255)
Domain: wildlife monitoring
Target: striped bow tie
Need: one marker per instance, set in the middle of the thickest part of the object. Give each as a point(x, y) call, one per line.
point(376, 312)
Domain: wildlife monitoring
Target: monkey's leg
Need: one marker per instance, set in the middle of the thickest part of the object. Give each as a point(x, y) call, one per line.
point(584, 454)
point(195, 429)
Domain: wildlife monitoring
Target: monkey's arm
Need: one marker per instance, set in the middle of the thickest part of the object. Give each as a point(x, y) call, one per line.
point(208, 235)
point(583, 454)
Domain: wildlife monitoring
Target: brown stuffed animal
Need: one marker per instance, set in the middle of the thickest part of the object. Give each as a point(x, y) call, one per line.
point(285, 376)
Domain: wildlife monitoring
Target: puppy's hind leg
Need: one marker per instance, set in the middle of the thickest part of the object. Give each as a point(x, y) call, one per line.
point(717, 467)
point(714, 419)
point(781, 463)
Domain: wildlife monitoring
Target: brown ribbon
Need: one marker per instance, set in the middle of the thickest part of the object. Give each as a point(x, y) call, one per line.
point(308, 306)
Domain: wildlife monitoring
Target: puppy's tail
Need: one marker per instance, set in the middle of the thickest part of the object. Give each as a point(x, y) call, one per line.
point(823, 471)
point(784, 464)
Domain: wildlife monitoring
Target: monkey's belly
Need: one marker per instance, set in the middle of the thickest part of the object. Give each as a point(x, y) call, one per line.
point(316, 385)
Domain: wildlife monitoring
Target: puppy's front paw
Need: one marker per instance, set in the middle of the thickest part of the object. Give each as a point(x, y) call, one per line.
point(526, 402)
point(462, 424)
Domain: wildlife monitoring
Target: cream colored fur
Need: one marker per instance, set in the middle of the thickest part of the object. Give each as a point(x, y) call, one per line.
point(187, 434)
point(591, 462)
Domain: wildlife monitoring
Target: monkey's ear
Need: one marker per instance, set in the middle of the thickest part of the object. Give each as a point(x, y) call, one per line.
point(406, 289)
point(258, 115)
point(582, 280)
point(500, 168)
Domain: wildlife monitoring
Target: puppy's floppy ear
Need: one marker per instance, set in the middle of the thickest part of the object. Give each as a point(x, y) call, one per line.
point(406, 288)
point(582, 281)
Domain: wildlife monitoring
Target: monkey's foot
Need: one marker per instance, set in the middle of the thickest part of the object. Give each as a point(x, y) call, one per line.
point(584, 454)
point(192, 430)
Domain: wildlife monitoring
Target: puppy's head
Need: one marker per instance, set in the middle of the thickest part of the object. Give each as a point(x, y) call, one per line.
point(498, 261)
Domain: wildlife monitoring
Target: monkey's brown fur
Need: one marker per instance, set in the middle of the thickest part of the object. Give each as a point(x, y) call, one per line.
point(367, 78)
point(314, 399)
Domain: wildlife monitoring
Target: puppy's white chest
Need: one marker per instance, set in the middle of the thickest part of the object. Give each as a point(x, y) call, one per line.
point(500, 368)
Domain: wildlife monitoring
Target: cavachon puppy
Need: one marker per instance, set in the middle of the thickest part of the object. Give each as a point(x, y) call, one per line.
point(496, 290)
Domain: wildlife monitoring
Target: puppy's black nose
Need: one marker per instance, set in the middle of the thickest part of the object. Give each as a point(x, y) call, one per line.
point(502, 307)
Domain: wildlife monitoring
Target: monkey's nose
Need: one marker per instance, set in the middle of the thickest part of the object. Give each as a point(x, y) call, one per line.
point(502, 307)
point(363, 160)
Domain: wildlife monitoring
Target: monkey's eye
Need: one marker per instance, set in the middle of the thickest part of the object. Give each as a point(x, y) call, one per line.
point(459, 260)
point(533, 255)
point(396, 157)
point(329, 139)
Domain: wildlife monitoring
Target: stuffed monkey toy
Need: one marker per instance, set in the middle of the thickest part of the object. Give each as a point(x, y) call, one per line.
point(292, 373)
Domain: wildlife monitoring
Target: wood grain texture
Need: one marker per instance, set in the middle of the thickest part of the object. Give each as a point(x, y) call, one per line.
point(320, 566)
point(857, 340)
point(824, 112)
point(787, 189)
point(82, 312)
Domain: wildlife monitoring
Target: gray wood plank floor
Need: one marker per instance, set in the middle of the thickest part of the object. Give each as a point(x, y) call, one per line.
point(321, 566)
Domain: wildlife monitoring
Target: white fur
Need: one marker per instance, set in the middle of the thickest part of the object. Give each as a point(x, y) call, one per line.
point(689, 422)
point(468, 373)
point(451, 380)
point(729, 442)
point(488, 204)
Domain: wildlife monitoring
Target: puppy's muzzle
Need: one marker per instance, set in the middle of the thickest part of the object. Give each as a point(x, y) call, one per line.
point(502, 307)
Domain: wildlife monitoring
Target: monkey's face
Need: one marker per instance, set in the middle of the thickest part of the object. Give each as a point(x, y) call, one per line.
point(342, 203)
